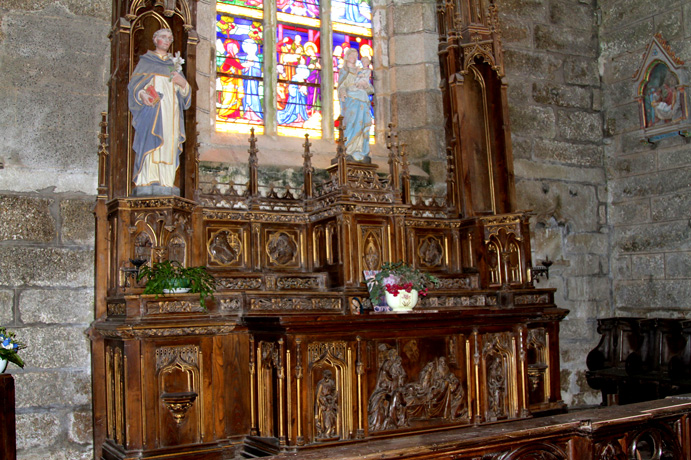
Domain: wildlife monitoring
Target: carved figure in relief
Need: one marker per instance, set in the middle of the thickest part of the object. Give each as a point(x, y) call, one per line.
point(158, 96)
point(437, 393)
point(326, 407)
point(496, 385)
point(386, 407)
point(355, 107)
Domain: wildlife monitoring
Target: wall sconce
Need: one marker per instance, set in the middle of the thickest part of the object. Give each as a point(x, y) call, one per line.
point(541, 270)
point(132, 272)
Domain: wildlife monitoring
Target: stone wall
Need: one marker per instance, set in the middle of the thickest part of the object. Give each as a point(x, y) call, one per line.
point(53, 61)
point(556, 125)
point(649, 185)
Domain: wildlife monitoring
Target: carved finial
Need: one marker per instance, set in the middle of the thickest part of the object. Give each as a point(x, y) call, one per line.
point(103, 153)
point(253, 186)
point(341, 148)
point(307, 168)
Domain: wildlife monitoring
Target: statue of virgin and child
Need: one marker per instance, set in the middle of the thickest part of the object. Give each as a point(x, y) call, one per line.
point(158, 96)
point(354, 90)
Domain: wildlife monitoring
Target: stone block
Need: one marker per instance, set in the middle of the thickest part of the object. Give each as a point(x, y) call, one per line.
point(618, 93)
point(98, 9)
point(21, 179)
point(577, 125)
point(671, 207)
point(418, 77)
point(6, 307)
point(656, 297)
point(623, 118)
point(417, 109)
point(579, 329)
point(669, 23)
point(589, 288)
point(568, 153)
point(568, 204)
point(546, 242)
point(515, 32)
point(648, 266)
point(38, 429)
point(414, 17)
point(534, 64)
point(634, 37)
point(46, 267)
point(78, 225)
point(586, 243)
point(656, 237)
point(422, 143)
point(52, 389)
point(581, 71)
point(678, 264)
point(651, 185)
point(544, 171)
point(59, 452)
point(630, 212)
point(414, 49)
point(26, 218)
point(565, 40)
point(51, 306)
point(586, 265)
point(533, 121)
point(621, 267)
point(573, 15)
point(674, 158)
point(619, 68)
point(80, 428)
point(56, 347)
point(522, 147)
point(526, 10)
point(562, 95)
point(636, 164)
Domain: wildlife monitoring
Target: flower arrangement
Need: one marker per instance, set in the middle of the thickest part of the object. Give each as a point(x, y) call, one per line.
point(9, 347)
point(399, 276)
point(168, 276)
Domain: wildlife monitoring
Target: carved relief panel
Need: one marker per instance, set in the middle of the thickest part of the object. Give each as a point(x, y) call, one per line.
point(228, 246)
point(418, 383)
point(499, 395)
point(115, 393)
point(282, 248)
point(373, 242)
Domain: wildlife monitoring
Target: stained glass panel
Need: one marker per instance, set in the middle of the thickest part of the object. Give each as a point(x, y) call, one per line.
point(303, 8)
point(225, 5)
point(239, 82)
point(354, 13)
point(299, 79)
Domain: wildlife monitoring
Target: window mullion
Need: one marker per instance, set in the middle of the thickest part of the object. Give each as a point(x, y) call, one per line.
point(270, 74)
point(327, 70)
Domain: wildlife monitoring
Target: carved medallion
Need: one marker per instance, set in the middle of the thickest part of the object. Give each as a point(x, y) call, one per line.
point(224, 247)
point(282, 249)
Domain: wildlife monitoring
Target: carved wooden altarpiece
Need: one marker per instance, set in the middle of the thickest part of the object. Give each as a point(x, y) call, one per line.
point(290, 355)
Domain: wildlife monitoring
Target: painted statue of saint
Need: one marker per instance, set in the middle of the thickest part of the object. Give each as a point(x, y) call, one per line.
point(158, 96)
point(354, 90)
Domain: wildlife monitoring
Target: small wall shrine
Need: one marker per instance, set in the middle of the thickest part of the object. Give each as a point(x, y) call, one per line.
point(289, 354)
point(661, 93)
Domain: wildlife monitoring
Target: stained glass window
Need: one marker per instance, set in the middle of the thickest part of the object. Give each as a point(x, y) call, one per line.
point(246, 67)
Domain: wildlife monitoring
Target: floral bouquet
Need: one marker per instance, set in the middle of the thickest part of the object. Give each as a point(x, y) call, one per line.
point(399, 276)
point(9, 347)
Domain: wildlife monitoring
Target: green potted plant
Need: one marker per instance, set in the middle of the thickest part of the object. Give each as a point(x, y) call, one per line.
point(9, 349)
point(400, 284)
point(170, 277)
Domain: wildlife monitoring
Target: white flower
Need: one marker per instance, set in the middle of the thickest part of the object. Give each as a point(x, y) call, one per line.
point(178, 61)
